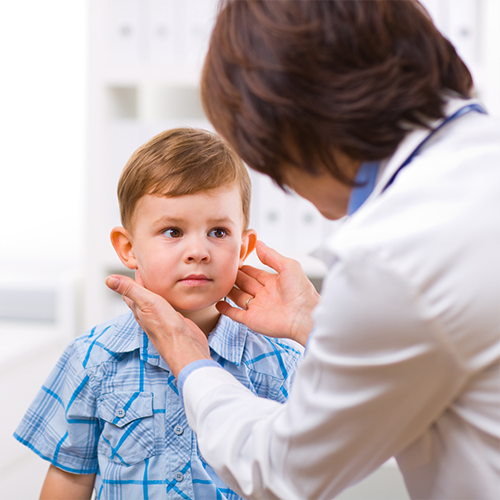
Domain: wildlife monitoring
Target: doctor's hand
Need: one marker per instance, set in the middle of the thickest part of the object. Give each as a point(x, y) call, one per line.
point(177, 339)
point(276, 305)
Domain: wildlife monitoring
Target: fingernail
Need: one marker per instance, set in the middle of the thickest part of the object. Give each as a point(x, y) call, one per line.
point(112, 282)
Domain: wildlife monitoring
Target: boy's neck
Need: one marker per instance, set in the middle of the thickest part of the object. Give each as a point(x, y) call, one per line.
point(205, 319)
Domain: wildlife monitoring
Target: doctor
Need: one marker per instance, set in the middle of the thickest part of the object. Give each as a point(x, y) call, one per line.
point(362, 108)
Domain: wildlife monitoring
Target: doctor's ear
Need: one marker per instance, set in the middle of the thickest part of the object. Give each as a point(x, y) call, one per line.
point(121, 240)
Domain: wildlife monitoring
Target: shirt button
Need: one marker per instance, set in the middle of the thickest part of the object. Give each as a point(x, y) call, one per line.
point(179, 477)
point(178, 430)
point(120, 413)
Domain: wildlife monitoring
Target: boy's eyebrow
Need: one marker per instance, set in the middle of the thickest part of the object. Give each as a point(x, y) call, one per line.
point(165, 219)
point(222, 220)
point(179, 220)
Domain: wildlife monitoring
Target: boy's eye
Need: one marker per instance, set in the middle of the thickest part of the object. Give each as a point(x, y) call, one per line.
point(173, 232)
point(217, 232)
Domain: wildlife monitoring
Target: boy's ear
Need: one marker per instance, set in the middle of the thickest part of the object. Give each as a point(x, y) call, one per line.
point(248, 241)
point(121, 240)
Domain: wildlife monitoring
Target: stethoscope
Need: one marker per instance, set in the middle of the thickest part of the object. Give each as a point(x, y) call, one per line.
point(367, 173)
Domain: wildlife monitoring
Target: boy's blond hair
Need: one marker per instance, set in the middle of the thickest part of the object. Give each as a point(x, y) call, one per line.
point(179, 162)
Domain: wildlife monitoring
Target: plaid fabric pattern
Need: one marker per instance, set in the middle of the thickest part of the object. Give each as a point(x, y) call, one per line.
point(111, 407)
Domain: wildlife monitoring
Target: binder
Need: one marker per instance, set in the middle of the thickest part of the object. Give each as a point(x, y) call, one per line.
point(310, 230)
point(463, 29)
point(124, 137)
point(200, 16)
point(124, 30)
point(273, 219)
point(163, 38)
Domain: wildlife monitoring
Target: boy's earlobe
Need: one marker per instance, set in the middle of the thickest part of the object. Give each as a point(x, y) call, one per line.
point(121, 240)
point(248, 242)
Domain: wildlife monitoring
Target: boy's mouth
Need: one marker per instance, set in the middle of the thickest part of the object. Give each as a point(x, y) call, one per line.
point(195, 280)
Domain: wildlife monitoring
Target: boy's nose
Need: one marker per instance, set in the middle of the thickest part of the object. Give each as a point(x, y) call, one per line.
point(197, 251)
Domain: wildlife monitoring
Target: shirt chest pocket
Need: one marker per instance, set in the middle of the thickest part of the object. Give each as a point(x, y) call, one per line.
point(128, 435)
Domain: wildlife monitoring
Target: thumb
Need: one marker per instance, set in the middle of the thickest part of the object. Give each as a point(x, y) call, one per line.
point(270, 257)
point(129, 289)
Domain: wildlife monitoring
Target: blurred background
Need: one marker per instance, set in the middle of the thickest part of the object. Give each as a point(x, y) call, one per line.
point(82, 84)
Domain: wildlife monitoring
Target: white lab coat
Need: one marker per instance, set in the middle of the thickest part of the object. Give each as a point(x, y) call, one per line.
point(404, 359)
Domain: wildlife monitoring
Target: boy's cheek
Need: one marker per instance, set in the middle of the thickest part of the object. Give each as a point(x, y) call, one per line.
point(150, 281)
point(229, 280)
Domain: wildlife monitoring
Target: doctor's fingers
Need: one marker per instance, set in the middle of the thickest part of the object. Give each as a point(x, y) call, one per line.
point(248, 280)
point(240, 298)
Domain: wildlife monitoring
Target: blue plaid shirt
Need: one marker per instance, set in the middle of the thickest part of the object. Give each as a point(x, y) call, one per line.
point(111, 406)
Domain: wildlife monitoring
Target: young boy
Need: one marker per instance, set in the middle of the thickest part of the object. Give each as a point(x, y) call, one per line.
point(109, 416)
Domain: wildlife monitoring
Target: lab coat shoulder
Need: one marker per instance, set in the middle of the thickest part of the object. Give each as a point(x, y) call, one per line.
point(437, 227)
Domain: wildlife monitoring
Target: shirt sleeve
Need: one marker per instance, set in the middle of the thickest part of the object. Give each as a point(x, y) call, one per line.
point(376, 374)
point(61, 424)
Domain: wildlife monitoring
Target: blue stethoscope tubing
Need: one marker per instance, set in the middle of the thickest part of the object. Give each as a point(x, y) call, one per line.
point(366, 177)
point(462, 111)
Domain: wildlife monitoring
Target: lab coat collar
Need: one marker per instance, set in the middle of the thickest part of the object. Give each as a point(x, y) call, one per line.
point(389, 166)
point(411, 142)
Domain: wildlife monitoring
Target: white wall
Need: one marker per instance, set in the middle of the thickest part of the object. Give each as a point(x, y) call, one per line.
point(42, 144)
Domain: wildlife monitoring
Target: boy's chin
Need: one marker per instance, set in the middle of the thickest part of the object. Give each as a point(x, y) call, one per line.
point(189, 305)
point(190, 308)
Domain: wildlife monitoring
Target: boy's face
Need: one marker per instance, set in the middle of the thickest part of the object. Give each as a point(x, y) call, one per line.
point(188, 248)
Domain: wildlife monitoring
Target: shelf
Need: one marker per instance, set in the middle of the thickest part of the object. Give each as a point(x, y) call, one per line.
point(149, 74)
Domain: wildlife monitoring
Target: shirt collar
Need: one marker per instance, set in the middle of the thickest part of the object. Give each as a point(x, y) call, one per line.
point(366, 178)
point(227, 340)
point(125, 336)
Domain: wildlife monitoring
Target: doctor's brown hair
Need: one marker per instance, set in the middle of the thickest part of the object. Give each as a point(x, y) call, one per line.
point(177, 162)
point(287, 82)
